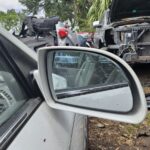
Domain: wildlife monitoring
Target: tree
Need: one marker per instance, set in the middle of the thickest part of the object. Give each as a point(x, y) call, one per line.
point(97, 9)
point(74, 10)
point(81, 8)
point(31, 5)
point(9, 19)
point(61, 8)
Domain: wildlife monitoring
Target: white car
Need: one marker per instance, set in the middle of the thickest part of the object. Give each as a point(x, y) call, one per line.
point(44, 106)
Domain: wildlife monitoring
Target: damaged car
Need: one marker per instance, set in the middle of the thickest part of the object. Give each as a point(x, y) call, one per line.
point(125, 30)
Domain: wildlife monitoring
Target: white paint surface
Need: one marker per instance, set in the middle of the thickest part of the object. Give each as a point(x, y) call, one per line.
point(49, 125)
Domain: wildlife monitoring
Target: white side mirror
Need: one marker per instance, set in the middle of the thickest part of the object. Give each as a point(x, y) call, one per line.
point(91, 82)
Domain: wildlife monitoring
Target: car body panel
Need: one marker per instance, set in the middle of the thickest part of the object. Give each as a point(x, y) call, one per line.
point(47, 129)
point(127, 9)
point(126, 33)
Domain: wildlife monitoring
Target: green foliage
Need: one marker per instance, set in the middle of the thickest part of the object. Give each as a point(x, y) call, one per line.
point(9, 19)
point(79, 12)
point(31, 5)
point(61, 8)
point(74, 10)
point(97, 9)
point(81, 8)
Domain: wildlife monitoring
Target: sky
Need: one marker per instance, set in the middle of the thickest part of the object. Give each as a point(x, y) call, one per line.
point(14, 4)
point(10, 4)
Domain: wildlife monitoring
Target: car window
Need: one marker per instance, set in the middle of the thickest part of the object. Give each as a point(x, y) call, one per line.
point(12, 97)
point(66, 60)
point(81, 70)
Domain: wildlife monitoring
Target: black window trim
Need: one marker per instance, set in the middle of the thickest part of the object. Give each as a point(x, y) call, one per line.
point(10, 128)
point(15, 70)
point(87, 90)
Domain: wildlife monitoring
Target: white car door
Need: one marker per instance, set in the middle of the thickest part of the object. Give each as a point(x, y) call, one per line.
point(26, 121)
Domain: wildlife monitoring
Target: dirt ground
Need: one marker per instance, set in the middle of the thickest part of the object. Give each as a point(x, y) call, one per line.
point(110, 135)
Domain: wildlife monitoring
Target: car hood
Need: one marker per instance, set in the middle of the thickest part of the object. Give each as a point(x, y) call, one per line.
point(122, 9)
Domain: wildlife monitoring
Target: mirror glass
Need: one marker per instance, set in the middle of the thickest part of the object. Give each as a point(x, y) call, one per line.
point(89, 80)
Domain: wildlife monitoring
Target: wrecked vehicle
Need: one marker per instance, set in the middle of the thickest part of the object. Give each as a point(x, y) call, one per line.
point(125, 30)
point(40, 32)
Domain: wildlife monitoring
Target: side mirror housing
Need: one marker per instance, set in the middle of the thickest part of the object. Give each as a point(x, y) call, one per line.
point(90, 82)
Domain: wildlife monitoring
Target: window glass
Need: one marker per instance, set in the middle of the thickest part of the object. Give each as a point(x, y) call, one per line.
point(75, 70)
point(12, 97)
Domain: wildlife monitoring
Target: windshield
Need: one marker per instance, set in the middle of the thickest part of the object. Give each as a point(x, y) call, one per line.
point(121, 9)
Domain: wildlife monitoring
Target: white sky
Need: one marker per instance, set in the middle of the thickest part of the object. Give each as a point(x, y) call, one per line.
point(14, 4)
point(10, 4)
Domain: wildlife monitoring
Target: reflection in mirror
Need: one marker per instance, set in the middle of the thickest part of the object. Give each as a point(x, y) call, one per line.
point(88, 80)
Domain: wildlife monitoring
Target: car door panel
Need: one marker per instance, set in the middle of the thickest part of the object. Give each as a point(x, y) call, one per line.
point(79, 134)
point(47, 129)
